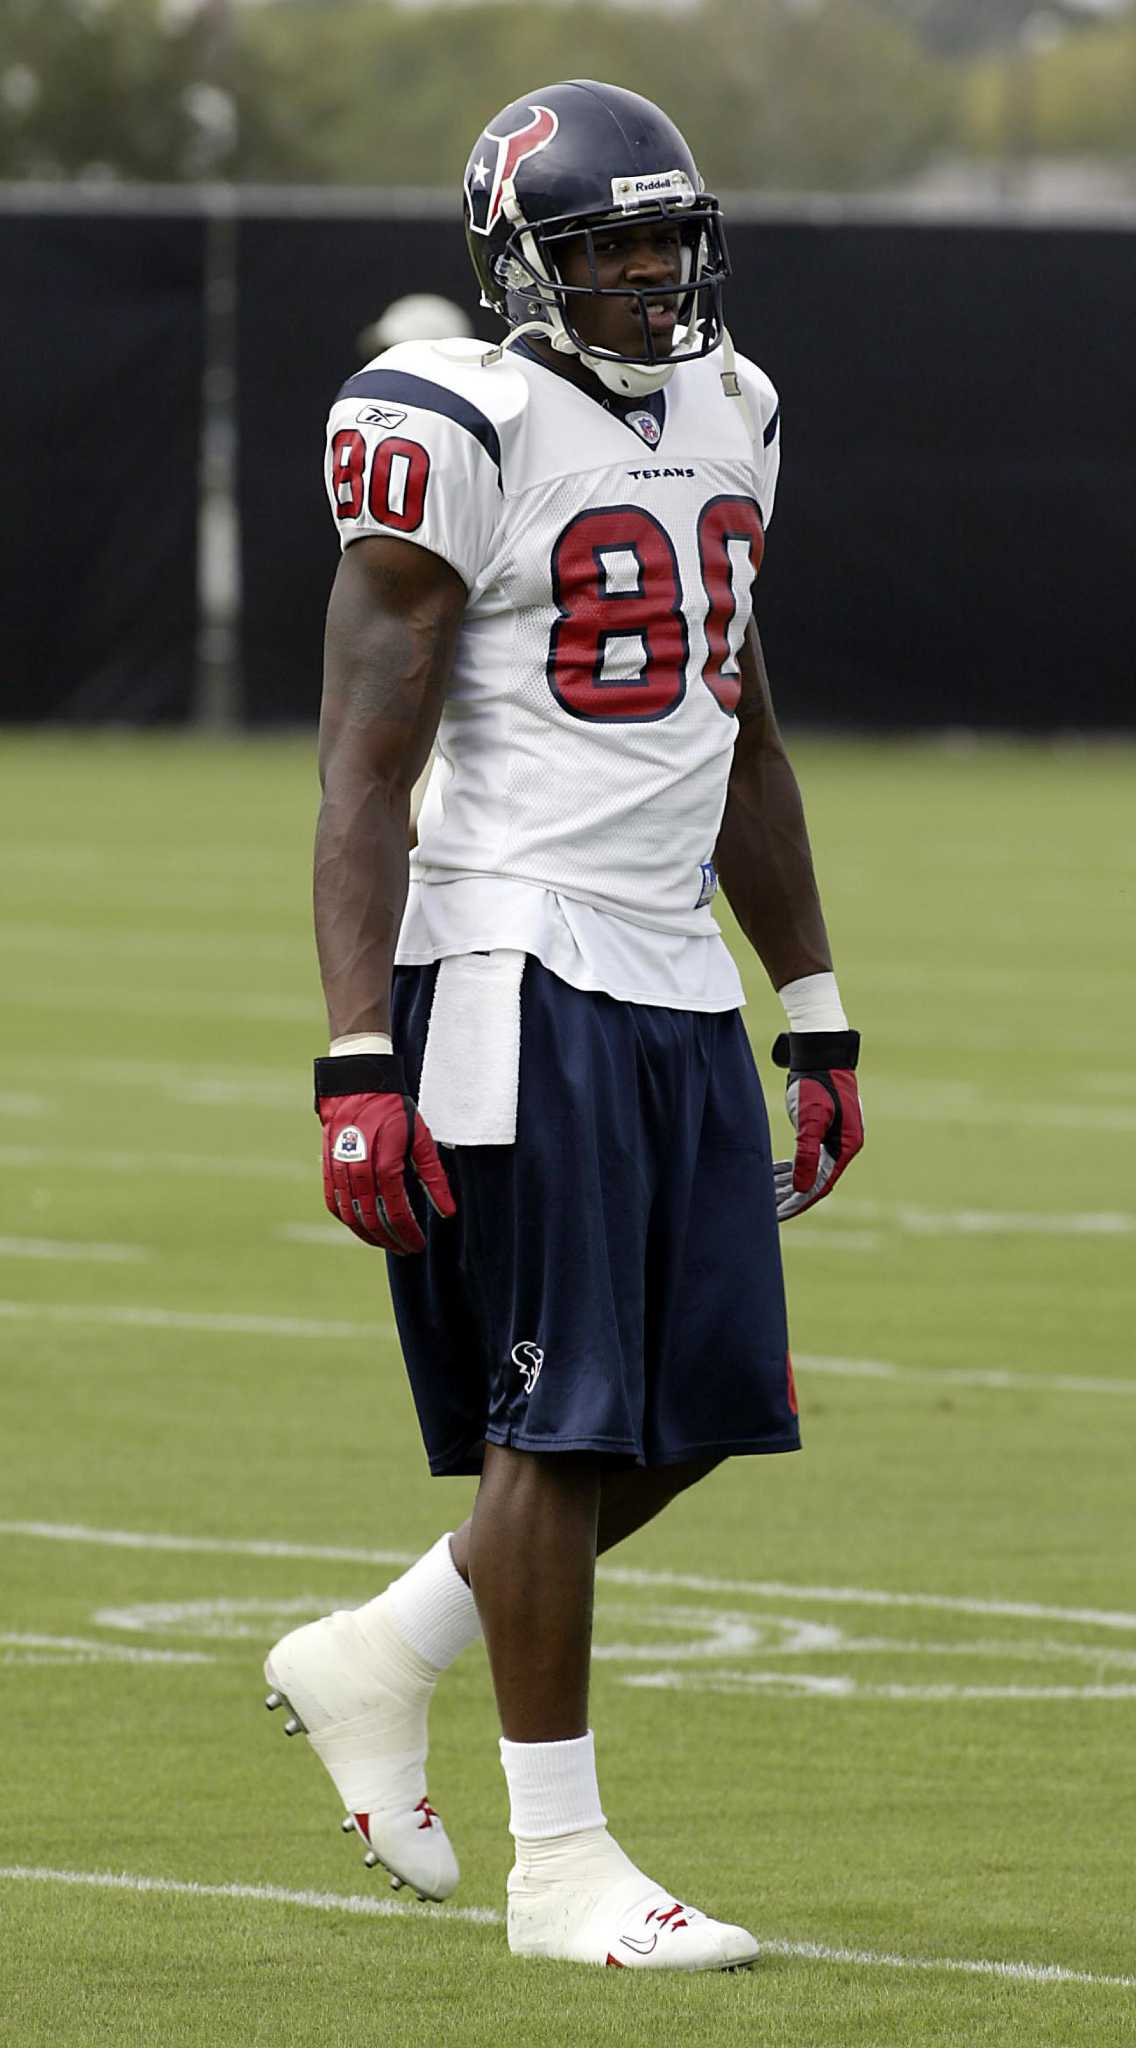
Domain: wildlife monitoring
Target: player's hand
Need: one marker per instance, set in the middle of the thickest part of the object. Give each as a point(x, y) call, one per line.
point(372, 1136)
point(823, 1102)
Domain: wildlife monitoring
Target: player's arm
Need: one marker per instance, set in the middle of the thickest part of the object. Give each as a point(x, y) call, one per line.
point(763, 855)
point(392, 625)
point(766, 867)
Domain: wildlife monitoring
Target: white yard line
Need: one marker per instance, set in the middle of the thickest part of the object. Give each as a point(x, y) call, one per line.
point(311, 1329)
point(329, 1234)
point(17, 1648)
point(14, 1103)
point(68, 942)
point(211, 1546)
point(806, 1685)
point(918, 1222)
point(133, 1001)
point(218, 1166)
point(615, 1575)
point(370, 1907)
point(61, 1248)
point(220, 1325)
point(998, 1378)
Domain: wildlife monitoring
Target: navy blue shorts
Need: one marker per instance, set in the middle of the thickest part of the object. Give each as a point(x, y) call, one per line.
point(612, 1281)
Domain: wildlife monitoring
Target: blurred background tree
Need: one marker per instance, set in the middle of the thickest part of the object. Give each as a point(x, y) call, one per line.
point(775, 95)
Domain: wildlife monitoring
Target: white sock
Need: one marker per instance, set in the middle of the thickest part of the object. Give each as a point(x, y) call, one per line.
point(552, 1787)
point(431, 1608)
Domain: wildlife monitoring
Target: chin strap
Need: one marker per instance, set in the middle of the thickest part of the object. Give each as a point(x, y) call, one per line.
point(608, 372)
point(495, 355)
point(732, 383)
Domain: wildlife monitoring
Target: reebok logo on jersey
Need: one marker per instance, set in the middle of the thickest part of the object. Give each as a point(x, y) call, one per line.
point(528, 1359)
point(649, 475)
point(380, 416)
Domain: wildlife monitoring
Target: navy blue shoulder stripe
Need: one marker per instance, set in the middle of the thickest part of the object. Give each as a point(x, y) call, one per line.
point(400, 385)
point(771, 424)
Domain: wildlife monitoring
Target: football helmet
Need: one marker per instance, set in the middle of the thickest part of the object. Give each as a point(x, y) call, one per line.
point(556, 166)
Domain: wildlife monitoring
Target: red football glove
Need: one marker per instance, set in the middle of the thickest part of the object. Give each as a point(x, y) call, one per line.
point(372, 1135)
point(824, 1108)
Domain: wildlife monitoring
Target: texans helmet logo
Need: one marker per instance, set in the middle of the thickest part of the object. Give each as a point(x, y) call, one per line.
point(486, 179)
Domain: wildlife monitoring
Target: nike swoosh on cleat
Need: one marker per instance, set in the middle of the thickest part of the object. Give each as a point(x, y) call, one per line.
point(641, 1948)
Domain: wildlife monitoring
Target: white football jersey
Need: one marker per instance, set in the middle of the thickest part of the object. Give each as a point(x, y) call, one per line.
point(609, 555)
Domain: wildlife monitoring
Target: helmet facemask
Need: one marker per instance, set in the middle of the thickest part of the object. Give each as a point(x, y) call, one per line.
point(529, 270)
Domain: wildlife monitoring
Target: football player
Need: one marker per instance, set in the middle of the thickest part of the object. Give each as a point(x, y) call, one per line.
point(549, 550)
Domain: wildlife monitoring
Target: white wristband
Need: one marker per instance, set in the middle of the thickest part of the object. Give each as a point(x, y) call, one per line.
point(361, 1041)
point(813, 1004)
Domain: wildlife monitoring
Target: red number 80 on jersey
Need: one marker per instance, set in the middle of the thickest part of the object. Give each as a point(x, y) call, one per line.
point(615, 576)
point(396, 493)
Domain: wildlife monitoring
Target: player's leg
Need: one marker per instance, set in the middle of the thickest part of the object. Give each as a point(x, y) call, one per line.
point(573, 1893)
point(714, 1381)
point(531, 1555)
point(629, 1499)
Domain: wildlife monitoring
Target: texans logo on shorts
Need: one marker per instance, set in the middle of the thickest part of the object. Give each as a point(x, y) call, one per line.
point(350, 1144)
point(528, 1359)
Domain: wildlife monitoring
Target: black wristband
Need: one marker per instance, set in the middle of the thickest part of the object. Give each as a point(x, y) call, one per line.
point(360, 1073)
point(816, 1052)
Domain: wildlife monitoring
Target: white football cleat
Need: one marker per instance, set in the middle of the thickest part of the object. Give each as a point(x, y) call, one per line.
point(361, 1697)
point(620, 1919)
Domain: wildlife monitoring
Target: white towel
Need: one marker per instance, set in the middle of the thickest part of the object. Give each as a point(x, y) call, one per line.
point(471, 1066)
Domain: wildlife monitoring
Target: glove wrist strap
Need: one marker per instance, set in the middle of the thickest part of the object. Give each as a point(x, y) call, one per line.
point(815, 1052)
point(360, 1073)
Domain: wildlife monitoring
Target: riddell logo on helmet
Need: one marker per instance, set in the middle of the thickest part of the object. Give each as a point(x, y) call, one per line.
point(652, 185)
point(485, 181)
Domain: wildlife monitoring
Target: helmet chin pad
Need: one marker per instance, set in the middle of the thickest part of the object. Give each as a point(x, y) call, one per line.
point(628, 380)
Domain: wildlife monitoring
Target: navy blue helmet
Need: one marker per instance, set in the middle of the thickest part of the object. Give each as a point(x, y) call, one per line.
point(564, 161)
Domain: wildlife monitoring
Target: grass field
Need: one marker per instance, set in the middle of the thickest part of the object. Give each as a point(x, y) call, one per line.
point(877, 1702)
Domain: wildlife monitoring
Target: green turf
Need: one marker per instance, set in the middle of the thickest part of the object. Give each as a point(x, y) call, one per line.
point(809, 1763)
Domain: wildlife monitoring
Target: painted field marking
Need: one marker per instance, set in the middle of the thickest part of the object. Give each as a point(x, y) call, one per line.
point(17, 1648)
point(811, 1685)
point(996, 1378)
point(220, 1167)
point(68, 942)
point(690, 1639)
point(133, 1001)
point(615, 1575)
point(314, 1330)
point(221, 1325)
point(207, 1546)
point(15, 1103)
point(328, 1234)
point(367, 1906)
point(71, 1250)
point(280, 1086)
point(917, 1222)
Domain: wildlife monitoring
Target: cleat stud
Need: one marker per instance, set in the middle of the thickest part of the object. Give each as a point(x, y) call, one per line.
point(294, 1727)
point(274, 1700)
point(370, 1859)
point(421, 1898)
point(396, 1884)
point(348, 1823)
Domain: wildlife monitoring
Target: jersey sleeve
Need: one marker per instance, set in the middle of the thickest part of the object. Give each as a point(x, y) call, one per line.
point(409, 456)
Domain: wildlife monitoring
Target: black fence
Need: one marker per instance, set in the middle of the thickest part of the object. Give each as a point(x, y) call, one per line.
point(953, 544)
point(101, 354)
